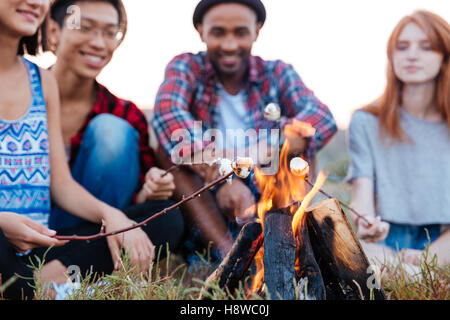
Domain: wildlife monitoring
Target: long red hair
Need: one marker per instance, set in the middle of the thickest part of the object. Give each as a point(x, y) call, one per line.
point(386, 106)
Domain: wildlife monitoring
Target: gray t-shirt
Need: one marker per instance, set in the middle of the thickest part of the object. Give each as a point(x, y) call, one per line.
point(411, 179)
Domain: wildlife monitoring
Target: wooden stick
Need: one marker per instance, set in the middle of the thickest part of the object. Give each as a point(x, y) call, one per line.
point(341, 203)
point(145, 222)
point(171, 169)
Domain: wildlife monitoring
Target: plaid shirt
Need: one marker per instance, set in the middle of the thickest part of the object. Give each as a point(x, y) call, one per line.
point(108, 103)
point(189, 93)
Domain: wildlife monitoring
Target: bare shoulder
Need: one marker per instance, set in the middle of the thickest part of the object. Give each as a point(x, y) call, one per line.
point(49, 86)
point(48, 80)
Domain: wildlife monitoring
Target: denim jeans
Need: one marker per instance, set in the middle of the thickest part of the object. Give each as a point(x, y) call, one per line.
point(411, 237)
point(107, 165)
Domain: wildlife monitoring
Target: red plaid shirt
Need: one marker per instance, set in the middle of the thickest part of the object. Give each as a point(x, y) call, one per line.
point(109, 103)
point(189, 93)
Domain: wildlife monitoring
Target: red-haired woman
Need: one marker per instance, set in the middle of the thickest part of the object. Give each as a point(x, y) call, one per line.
point(400, 146)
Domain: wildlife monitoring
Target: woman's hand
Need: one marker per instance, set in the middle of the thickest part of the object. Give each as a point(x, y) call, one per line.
point(24, 234)
point(411, 256)
point(135, 242)
point(156, 187)
point(377, 231)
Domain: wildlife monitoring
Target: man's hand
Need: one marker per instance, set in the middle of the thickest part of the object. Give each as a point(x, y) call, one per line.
point(236, 200)
point(206, 172)
point(297, 144)
point(295, 133)
point(135, 242)
point(24, 234)
point(378, 230)
point(156, 187)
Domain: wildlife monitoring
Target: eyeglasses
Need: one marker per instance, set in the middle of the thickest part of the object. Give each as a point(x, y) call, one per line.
point(109, 34)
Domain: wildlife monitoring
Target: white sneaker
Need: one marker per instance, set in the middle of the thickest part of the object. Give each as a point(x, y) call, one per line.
point(65, 290)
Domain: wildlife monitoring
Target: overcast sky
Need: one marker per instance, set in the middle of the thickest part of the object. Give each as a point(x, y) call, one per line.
point(337, 47)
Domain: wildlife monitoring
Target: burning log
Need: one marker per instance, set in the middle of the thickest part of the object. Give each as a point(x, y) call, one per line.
point(310, 286)
point(279, 254)
point(344, 266)
point(325, 257)
point(235, 265)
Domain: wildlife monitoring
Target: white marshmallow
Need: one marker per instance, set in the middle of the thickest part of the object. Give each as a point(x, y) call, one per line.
point(225, 166)
point(242, 167)
point(299, 167)
point(272, 112)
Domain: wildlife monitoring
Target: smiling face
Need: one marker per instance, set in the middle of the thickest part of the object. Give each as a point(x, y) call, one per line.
point(414, 60)
point(229, 31)
point(88, 49)
point(22, 18)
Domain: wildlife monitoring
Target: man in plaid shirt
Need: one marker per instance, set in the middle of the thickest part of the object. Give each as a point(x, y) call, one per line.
point(228, 88)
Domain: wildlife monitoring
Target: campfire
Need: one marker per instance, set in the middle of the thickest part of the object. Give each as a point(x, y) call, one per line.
point(296, 251)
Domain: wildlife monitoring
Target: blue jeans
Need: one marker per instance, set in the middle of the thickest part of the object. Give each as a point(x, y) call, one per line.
point(411, 237)
point(107, 165)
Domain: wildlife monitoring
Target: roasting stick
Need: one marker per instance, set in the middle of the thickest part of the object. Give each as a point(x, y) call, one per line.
point(300, 168)
point(360, 216)
point(241, 167)
point(176, 167)
point(171, 169)
point(143, 223)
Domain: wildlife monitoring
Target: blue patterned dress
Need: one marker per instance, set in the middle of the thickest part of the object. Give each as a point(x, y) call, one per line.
point(24, 158)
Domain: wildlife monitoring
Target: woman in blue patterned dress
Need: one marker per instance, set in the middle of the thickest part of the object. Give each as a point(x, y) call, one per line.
point(31, 144)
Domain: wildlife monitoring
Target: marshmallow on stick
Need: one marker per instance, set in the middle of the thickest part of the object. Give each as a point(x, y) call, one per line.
point(242, 167)
point(272, 112)
point(224, 166)
point(299, 167)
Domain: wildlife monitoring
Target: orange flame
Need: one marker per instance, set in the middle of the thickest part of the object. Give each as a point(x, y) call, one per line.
point(259, 276)
point(281, 191)
point(321, 178)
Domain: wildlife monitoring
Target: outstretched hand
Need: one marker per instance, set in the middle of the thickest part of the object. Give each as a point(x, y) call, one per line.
point(375, 232)
point(24, 234)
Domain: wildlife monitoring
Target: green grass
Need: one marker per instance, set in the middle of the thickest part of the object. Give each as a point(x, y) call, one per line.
point(432, 282)
point(172, 279)
point(169, 279)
